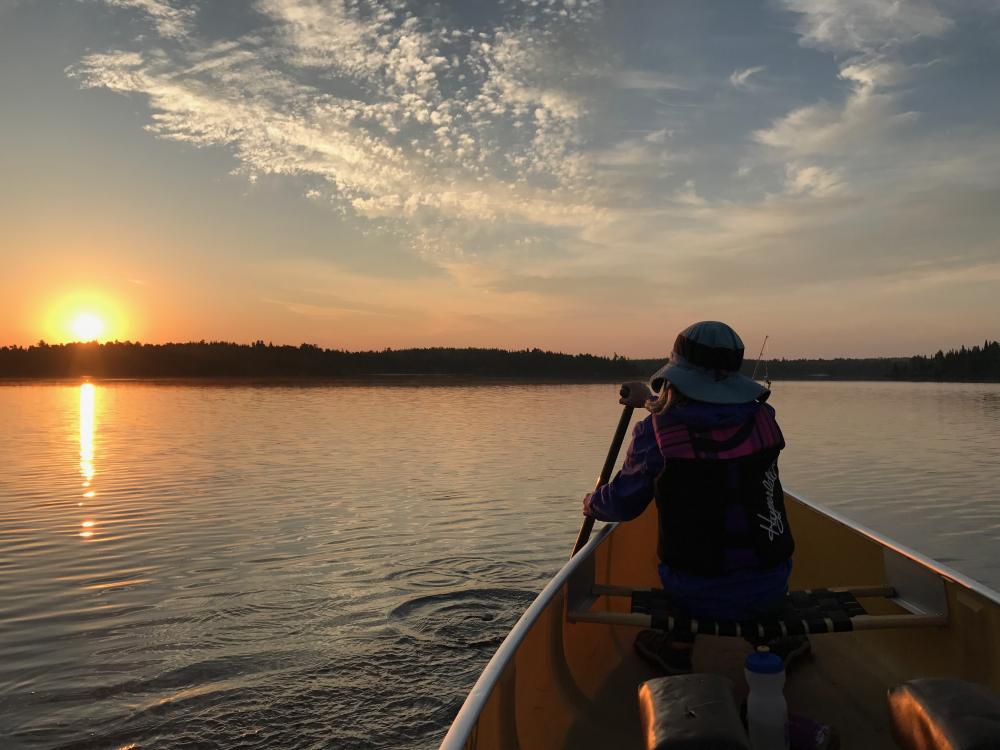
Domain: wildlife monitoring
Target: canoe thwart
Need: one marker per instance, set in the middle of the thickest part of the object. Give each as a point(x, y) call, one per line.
point(807, 612)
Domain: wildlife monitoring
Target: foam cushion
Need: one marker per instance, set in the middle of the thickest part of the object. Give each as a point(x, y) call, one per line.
point(941, 714)
point(690, 711)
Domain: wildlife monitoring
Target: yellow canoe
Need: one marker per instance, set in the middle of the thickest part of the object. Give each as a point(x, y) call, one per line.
point(566, 676)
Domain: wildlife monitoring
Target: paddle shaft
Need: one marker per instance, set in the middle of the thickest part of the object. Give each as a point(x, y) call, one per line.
point(609, 465)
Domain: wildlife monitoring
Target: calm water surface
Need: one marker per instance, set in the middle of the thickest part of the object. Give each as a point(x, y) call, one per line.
point(330, 567)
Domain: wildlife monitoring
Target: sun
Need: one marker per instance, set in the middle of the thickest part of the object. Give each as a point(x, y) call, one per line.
point(86, 315)
point(87, 326)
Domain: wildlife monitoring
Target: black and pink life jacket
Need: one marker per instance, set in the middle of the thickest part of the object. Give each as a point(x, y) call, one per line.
point(720, 502)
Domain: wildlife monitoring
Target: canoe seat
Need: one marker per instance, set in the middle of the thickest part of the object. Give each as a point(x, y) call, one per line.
point(690, 711)
point(804, 613)
point(808, 612)
point(943, 714)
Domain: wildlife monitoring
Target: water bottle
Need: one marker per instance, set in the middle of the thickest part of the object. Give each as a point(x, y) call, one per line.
point(767, 712)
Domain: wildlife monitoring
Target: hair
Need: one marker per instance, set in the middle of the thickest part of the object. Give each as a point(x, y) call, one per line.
point(669, 397)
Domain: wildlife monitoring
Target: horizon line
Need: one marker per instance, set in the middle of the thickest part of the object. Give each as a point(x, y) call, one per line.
point(41, 343)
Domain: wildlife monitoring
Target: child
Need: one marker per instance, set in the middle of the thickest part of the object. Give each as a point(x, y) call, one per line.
point(708, 455)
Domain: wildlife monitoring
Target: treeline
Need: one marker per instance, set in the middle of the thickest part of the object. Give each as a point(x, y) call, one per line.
point(218, 359)
point(978, 364)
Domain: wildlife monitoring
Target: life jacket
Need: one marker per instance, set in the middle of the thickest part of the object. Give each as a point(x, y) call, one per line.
point(720, 502)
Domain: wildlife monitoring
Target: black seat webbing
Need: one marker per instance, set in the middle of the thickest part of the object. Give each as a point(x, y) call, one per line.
point(803, 613)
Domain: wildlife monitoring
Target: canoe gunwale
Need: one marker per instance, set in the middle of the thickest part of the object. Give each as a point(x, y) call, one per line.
point(887, 543)
point(468, 716)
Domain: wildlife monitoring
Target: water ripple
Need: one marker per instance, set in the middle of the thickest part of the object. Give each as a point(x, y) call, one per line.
point(472, 618)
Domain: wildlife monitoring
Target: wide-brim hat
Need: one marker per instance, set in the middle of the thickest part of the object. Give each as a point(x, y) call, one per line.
point(705, 366)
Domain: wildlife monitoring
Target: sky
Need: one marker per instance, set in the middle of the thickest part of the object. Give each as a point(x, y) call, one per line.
point(574, 175)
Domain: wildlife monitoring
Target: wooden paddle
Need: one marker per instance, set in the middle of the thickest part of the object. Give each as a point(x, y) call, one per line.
point(609, 465)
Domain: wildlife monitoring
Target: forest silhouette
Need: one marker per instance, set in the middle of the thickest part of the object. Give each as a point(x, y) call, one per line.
point(218, 359)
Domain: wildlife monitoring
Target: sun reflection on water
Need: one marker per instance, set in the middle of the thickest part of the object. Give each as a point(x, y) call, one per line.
point(87, 404)
point(87, 432)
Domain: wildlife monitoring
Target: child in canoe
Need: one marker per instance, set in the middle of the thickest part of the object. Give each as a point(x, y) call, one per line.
point(708, 455)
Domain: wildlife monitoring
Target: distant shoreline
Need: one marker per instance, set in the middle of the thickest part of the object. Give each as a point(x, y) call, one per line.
point(260, 362)
point(404, 380)
point(389, 379)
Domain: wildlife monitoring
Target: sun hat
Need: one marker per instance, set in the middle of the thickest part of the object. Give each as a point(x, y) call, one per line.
point(705, 366)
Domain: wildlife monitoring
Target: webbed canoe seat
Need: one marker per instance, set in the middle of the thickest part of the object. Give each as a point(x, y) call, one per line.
point(808, 612)
point(804, 613)
point(690, 712)
point(944, 714)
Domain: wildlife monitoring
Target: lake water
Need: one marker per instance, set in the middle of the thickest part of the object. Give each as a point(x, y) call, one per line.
point(330, 567)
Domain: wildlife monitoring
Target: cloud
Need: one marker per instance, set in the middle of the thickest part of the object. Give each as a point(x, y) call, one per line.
point(334, 307)
point(850, 26)
point(404, 119)
point(871, 33)
point(593, 286)
point(740, 79)
point(170, 21)
point(635, 155)
point(812, 180)
point(648, 80)
point(379, 51)
point(688, 196)
point(842, 238)
point(866, 116)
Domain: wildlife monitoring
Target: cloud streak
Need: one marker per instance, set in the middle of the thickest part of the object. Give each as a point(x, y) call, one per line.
point(740, 79)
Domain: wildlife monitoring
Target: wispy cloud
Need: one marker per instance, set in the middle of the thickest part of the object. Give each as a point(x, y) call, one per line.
point(648, 80)
point(812, 180)
point(331, 307)
point(859, 123)
point(170, 21)
point(851, 26)
point(740, 79)
point(867, 36)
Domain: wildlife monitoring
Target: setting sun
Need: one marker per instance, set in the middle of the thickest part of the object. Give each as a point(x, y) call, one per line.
point(86, 315)
point(87, 327)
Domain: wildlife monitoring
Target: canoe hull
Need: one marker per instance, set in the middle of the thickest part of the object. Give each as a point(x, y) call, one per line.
point(557, 684)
